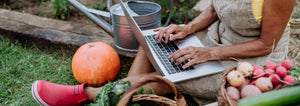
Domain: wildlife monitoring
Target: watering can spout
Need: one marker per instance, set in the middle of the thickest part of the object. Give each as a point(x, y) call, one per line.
point(88, 12)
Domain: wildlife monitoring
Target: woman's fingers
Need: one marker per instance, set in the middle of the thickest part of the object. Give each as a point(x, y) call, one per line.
point(160, 31)
point(194, 54)
point(174, 56)
point(172, 28)
point(176, 36)
point(180, 53)
point(190, 63)
point(157, 29)
point(182, 59)
point(167, 31)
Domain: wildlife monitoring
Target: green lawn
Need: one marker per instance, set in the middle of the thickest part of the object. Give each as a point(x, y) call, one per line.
point(20, 66)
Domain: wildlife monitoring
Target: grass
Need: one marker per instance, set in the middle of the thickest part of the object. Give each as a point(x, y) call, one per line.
point(20, 66)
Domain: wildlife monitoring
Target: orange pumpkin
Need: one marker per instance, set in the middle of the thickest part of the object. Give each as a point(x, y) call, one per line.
point(95, 63)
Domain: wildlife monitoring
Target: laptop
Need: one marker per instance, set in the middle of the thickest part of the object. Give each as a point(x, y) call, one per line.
point(158, 54)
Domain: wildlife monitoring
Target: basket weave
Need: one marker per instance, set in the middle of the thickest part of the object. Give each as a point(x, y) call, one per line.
point(223, 98)
point(179, 99)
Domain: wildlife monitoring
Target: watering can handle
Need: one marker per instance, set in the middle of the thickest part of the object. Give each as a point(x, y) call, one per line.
point(108, 4)
point(170, 13)
point(88, 12)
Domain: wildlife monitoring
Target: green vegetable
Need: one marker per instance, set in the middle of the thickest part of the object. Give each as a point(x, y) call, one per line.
point(284, 96)
point(296, 73)
point(117, 91)
point(111, 92)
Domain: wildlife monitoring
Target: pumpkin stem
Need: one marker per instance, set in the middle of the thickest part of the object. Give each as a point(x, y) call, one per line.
point(91, 45)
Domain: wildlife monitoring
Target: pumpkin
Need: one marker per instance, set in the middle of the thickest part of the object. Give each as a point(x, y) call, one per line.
point(95, 63)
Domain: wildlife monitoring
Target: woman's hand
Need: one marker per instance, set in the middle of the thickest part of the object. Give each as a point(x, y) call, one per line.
point(195, 54)
point(178, 32)
point(206, 18)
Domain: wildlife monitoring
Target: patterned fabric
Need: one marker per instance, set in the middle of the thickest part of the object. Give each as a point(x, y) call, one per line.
point(236, 24)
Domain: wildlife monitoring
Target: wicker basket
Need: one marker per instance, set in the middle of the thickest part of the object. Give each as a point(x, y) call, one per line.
point(179, 99)
point(223, 98)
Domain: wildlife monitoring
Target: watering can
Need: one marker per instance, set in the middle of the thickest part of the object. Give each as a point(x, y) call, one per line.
point(146, 14)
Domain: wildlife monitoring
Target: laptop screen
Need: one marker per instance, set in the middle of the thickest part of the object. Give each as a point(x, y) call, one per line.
point(139, 35)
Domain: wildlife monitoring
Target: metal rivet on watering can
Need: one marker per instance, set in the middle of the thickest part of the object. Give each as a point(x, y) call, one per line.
point(146, 14)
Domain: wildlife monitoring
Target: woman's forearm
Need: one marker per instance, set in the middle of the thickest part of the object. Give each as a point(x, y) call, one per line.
point(206, 18)
point(239, 51)
point(276, 14)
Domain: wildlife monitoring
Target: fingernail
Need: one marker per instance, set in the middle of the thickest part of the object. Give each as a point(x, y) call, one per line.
point(171, 38)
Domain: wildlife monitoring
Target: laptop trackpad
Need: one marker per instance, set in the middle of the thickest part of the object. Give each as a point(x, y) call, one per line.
point(191, 40)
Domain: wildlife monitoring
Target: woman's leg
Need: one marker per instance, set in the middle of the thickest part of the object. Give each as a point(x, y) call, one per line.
point(141, 64)
point(140, 67)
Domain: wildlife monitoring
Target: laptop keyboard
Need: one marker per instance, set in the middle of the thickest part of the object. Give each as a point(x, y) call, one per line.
point(163, 51)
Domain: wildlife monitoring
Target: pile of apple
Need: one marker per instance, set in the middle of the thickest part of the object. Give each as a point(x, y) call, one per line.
point(249, 80)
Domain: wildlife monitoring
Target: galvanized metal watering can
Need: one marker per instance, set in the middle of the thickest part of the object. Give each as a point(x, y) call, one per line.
point(146, 14)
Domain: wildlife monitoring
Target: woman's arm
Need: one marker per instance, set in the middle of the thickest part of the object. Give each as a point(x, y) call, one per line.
point(207, 17)
point(276, 14)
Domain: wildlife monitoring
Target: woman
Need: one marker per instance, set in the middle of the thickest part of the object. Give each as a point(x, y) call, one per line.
point(250, 30)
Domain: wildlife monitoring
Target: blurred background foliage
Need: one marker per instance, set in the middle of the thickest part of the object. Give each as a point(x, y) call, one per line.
point(182, 10)
point(61, 9)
